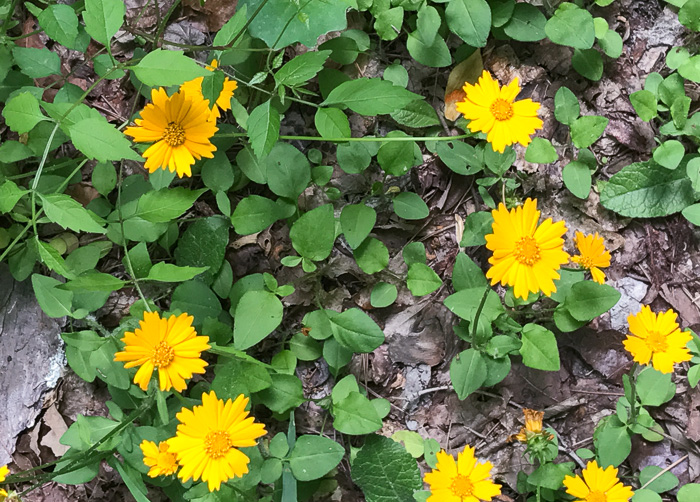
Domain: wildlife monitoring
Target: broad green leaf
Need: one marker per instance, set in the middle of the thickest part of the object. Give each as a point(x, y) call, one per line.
point(103, 18)
point(254, 214)
point(414, 252)
point(164, 68)
point(166, 204)
point(357, 221)
point(470, 20)
point(233, 27)
point(467, 372)
point(388, 23)
point(69, 213)
point(53, 260)
point(526, 24)
point(285, 393)
point(428, 24)
point(435, 55)
point(263, 128)
point(383, 294)
point(412, 441)
point(612, 442)
point(313, 235)
point(587, 130)
point(690, 69)
point(258, 314)
point(410, 206)
point(589, 63)
point(654, 388)
point(197, 299)
point(314, 456)
point(371, 256)
point(460, 157)
point(643, 190)
point(688, 493)
point(288, 171)
point(398, 478)
point(203, 244)
point(100, 140)
point(645, 104)
point(92, 280)
point(669, 154)
point(396, 157)
point(577, 178)
point(343, 49)
point(355, 415)
point(476, 227)
point(53, 301)
point(332, 123)
point(37, 63)
point(539, 349)
point(302, 68)
point(689, 15)
point(254, 169)
point(422, 280)
point(692, 214)
point(611, 44)
point(13, 151)
point(60, 23)
point(416, 114)
point(22, 113)
point(541, 151)
point(10, 194)
point(356, 330)
point(167, 272)
point(353, 158)
point(588, 299)
point(370, 96)
point(566, 106)
point(467, 275)
point(571, 26)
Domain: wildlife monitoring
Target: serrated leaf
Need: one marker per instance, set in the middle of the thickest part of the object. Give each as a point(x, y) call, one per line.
point(370, 96)
point(166, 204)
point(69, 213)
point(22, 113)
point(60, 23)
point(167, 272)
point(302, 68)
point(100, 140)
point(263, 128)
point(103, 18)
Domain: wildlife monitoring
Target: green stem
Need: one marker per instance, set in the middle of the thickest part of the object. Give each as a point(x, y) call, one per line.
point(366, 139)
point(633, 392)
point(478, 312)
point(35, 183)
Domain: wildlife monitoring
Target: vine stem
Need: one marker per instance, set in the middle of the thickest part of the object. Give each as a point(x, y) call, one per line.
point(633, 392)
point(366, 139)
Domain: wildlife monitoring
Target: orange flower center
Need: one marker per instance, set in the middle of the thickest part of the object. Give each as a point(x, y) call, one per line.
point(586, 262)
point(656, 342)
point(217, 444)
point(163, 355)
point(502, 109)
point(174, 134)
point(596, 496)
point(527, 251)
point(462, 486)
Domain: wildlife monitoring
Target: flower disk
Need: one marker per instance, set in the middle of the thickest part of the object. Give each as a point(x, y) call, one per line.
point(223, 102)
point(208, 437)
point(170, 345)
point(493, 110)
point(597, 485)
point(161, 461)
point(181, 127)
point(592, 255)
point(462, 481)
point(657, 338)
point(526, 255)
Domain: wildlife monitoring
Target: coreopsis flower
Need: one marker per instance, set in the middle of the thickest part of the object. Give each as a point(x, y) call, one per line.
point(465, 480)
point(597, 485)
point(493, 110)
point(181, 127)
point(208, 438)
point(533, 427)
point(171, 346)
point(4, 471)
point(657, 338)
point(526, 255)
point(592, 255)
point(223, 102)
point(158, 457)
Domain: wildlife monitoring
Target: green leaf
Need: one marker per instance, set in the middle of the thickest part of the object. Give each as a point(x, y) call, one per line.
point(644, 495)
point(357, 221)
point(467, 274)
point(428, 24)
point(689, 15)
point(383, 294)
point(22, 113)
point(645, 104)
point(669, 154)
point(37, 63)
point(353, 158)
point(314, 456)
point(204, 245)
point(258, 314)
point(285, 393)
point(167, 272)
point(166, 204)
point(688, 493)
point(234, 377)
point(100, 140)
point(586, 130)
point(476, 226)
point(539, 349)
point(60, 23)
point(690, 68)
point(395, 157)
point(53, 260)
point(356, 330)
point(416, 114)
point(435, 55)
point(356, 415)
point(233, 27)
point(642, 190)
point(410, 206)
point(571, 26)
point(388, 23)
point(92, 280)
point(589, 63)
point(313, 235)
point(422, 280)
point(69, 213)
point(370, 96)
point(655, 388)
point(254, 214)
point(412, 441)
point(692, 214)
point(541, 151)
point(611, 44)
point(263, 128)
point(103, 18)
point(577, 178)
point(467, 372)
point(396, 479)
point(371, 256)
point(612, 442)
point(53, 301)
point(104, 177)
point(566, 106)
point(526, 24)
point(344, 49)
point(470, 20)
point(197, 299)
point(10, 194)
point(164, 68)
point(588, 299)
point(302, 68)
point(332, 123)
point(14, 151)
point(288, 171)
point(465, 303)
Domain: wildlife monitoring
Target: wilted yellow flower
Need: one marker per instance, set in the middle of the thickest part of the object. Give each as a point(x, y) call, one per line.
point(493, 110)
point(465, 480)
point(533, 426)
point(208, 437)
point(526, 255)
point(223, 102)
point(657, 338)
point(161, 461)
point(593, 255)
point(169, 345)
point(597, 485)
point(181, 127)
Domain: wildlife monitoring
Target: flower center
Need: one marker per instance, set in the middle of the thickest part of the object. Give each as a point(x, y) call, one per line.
point(217, 444)
point(174, 134)
point(502, 109)
point(586, 262)
point(462, 486)
point(656, 342)
point(163, 355)
point(527, 251)
point(596, 496)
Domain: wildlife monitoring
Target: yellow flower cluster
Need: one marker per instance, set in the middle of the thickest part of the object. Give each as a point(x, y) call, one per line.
point(528, 254)
point(180, 126)
point(4, 471)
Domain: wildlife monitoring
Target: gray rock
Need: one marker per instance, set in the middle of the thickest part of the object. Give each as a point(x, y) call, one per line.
point(633, 293)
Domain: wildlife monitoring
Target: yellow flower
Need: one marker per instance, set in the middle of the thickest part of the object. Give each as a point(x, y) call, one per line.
point(161, 461)
point(4, 471)
point(194, 88)
point(658, 338)
point(597, 485)
point(593, 255)
point(170, 345)
point(526, 255)
point(181, 127)
point(208, 437)
point(493, 110)
point(533, 426)
point(465, 480)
